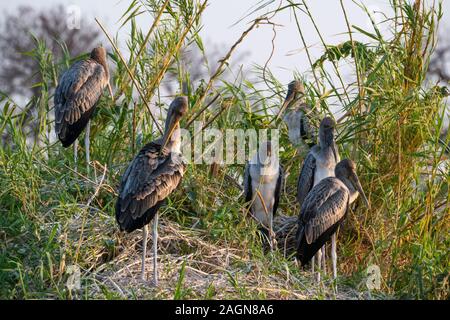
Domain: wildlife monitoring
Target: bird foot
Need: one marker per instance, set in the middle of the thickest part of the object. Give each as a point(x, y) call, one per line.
point(272, 240)
point(150, 283)
point(274, 244)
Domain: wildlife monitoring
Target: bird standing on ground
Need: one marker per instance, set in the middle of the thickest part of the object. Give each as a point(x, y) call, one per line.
point(76, 97)
point(324, 210)
point(263, 178)
point(300, 116)
point(150, 178)
point(319, 164)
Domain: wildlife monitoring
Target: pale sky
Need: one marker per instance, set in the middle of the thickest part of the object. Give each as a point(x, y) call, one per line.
point(220, 16)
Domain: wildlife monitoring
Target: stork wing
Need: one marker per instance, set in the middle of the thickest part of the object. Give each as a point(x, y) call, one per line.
point(325, 205)
point(306, 178)
point(77, 93)
point(148, 180)
point(278, 189)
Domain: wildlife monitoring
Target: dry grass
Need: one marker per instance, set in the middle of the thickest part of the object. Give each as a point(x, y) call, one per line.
point(208, 270)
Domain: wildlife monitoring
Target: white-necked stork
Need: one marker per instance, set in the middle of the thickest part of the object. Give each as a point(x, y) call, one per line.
point(263, 178)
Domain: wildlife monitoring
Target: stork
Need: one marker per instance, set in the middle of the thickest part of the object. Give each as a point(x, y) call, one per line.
point(324, 210)
point(263, 178)
point(153, 174)
point(319, 164)
point(76, 97)
point(300, 116)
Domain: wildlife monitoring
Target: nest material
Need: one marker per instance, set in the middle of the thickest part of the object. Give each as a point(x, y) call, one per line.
point(208, 267)
point(285, 228)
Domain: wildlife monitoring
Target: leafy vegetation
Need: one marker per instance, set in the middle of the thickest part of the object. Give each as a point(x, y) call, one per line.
point(53, 217)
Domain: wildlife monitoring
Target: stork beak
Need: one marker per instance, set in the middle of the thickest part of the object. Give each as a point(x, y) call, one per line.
point(357, 185)
point(335, 152)
point(169, 132)
point(285, 104)
point(110, 91)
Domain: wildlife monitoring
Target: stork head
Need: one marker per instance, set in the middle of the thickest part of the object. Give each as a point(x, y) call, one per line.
point(177, 110)
point(346, 171)
point(295, 91)
point(295, 88)
point(326, 131)
point(99, 55)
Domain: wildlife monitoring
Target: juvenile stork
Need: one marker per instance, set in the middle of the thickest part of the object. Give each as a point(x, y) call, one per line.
point(300, 117)
point(76, 96)
point(324, 210)
point(263, 178)
point(320, 160)
point(153, 174)
point(319, 164)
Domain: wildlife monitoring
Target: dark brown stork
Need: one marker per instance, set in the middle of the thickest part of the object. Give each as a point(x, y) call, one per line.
point(324, 210)
point(76, 96)
point(319, 163)
point(153, 174)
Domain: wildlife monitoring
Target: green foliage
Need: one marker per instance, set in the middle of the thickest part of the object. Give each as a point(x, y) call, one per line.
point(49, 220)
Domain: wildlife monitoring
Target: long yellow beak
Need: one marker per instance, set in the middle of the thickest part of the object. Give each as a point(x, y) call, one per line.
point(358, 187)
point(110, 91)
point(284, 106)
point(168, 134)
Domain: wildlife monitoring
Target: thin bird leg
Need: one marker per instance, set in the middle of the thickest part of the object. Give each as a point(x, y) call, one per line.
point(144, 251)
point(155, 250)
point(319, 263)
point(272, 235)
point(312, 264)
point(324, 259)
point(75, 154)
point(87, 144)
point(334, 255)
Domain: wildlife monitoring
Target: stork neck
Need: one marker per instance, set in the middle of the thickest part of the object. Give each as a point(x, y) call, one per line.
point(325, 141)
point(297, 103)
point(103, 63)
point(353, 193)
point(174, 144)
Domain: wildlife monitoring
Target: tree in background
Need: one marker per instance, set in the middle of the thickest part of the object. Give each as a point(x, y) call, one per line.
point(19, 71)
point(439, 67)
point(439, 70)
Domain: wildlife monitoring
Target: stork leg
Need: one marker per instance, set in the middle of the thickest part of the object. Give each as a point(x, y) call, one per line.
point(334, 255)
point(75, 154)
point(144, 251)
point(272, 235)
point(319, 264)
point(87, 144)
point(155, 250)
point(324, 259)
point(312, 264)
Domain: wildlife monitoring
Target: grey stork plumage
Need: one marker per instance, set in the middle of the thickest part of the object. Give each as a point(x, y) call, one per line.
point(324, 210)
point(76, 96)
point(300, 117)
point(320, 160)
point(263, 178)
point(153, 174)
point(319, 163)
